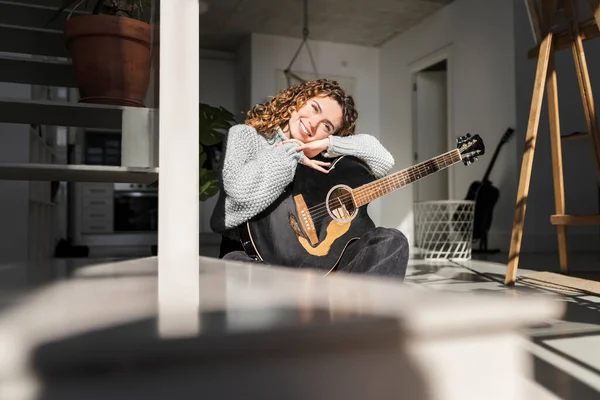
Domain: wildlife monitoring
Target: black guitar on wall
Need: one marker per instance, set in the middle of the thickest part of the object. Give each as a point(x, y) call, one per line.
point(486, 196)
point(319, 214)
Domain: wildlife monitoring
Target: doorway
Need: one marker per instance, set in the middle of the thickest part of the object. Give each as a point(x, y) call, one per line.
point(430, 128)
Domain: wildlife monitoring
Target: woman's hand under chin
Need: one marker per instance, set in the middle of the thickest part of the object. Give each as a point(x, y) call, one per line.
point(314, 148)
point(311, 149)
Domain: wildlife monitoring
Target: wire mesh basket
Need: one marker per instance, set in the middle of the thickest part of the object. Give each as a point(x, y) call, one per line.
point(444, 229)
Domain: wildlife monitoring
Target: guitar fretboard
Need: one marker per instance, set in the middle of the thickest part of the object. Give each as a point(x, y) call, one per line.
point(379, 188)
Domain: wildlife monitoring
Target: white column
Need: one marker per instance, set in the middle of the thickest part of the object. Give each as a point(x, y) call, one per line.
point(178, 208)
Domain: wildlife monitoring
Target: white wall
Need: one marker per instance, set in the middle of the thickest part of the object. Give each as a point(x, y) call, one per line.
point(243, 75)
point(217, 84)
point(481, 81)
point(14, 195)
point(581, 185)
point(271, 54)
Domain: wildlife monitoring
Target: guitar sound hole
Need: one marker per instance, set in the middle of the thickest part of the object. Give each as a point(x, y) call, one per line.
point(340, 204)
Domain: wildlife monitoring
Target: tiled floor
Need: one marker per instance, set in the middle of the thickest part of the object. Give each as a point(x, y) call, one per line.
point(566, 353)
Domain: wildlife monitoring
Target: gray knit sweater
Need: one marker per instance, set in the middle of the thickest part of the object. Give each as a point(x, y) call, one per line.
point(255, 171)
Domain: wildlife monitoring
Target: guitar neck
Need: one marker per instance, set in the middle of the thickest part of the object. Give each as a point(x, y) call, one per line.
point(509, 132)
point(367, 193)
point(488, 171)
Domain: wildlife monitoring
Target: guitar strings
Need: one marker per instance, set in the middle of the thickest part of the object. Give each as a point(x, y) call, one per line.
point(409, 173)
point(320, 211)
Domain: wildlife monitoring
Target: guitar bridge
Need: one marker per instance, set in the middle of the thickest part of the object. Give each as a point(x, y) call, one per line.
point(305, 219)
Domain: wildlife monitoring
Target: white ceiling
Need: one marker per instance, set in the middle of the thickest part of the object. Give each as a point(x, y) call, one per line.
point(361, 22)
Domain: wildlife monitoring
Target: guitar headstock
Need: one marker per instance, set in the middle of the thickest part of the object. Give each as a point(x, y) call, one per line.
point(470, 148)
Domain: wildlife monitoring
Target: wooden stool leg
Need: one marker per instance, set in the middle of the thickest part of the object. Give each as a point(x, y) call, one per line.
point(530, 141)
point(527, 163)
point(557, 164)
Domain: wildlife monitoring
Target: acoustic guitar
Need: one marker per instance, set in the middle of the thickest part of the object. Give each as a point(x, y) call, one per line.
point(486, 195)
point(318, 215)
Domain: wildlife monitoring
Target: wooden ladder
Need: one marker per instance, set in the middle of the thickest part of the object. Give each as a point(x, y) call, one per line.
point(548, 42)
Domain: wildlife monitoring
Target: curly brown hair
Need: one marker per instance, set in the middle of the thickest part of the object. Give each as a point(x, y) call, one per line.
point(265, 118)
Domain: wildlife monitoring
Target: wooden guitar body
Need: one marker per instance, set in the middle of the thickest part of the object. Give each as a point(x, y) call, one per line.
point(281, 234)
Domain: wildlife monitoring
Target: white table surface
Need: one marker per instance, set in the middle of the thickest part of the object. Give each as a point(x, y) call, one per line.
point(238, 299)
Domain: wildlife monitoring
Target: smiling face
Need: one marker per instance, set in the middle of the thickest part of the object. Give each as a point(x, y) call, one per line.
point(317, 119)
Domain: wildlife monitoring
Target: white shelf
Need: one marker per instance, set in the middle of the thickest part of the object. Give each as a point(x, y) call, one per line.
point(77, 173)
point(32, 71)
point(60, 113)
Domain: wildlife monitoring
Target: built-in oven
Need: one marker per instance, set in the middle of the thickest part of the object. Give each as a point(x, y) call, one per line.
point(135, 208)
point(111, 215)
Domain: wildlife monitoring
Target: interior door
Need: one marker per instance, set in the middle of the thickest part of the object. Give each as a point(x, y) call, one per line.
point(430, 134)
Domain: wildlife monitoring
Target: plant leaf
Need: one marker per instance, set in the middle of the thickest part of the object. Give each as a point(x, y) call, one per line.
point(211, 137)
point(202, 160)
point(209, 184)
point(63, 6)
point(212, 121)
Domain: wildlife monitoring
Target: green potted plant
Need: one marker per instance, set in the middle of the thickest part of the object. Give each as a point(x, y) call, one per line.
point(110, 50)
point(214, 122)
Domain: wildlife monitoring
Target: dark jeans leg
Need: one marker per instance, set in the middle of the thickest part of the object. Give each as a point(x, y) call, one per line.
point(381, 251)
point(239, 255)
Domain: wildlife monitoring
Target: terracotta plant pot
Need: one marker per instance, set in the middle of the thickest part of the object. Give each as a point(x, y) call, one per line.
point(111, 58)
